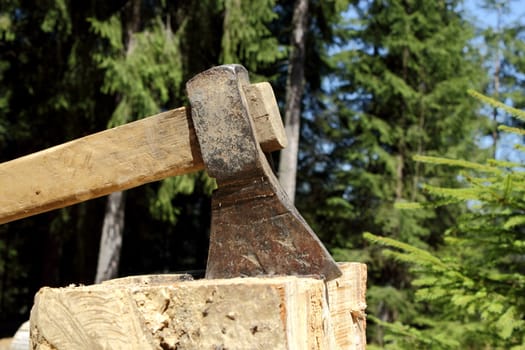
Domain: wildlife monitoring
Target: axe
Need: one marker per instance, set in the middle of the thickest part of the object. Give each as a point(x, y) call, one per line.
point(255, 229)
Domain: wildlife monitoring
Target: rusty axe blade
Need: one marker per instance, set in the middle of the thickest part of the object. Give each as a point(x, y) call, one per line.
point(255, 229)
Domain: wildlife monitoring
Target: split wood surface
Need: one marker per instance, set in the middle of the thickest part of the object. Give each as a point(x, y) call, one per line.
point(116, 159)
point(169, 312)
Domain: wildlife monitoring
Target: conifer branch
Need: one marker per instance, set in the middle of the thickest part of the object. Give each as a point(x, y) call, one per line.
point(455, 162)
point(503, 163)
point(511, 129)
point(456, 194)
point(519, 147)
point(494, 103)
point(422, 254)
point(425, 205)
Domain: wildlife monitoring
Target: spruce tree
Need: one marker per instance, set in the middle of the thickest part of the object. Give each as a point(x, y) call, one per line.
point(398, 91)
point(470, 293)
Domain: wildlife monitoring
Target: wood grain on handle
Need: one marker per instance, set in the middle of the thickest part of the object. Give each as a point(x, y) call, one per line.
point(116, 159)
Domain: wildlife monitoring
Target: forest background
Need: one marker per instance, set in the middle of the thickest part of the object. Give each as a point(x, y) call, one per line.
point(378, 84)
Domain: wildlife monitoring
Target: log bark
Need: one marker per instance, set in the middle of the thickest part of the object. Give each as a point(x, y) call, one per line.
point(170, 312)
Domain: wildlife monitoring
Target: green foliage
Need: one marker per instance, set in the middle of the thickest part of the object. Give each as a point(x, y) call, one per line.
point(397, 91)
point(6, 32)
point(400, 92)
point(111, 30)
point(475, 282)
point(57, 18)
point(4, 105)
point(519, 114)
point(246, 36)
point(145, 74)
point(162, 206)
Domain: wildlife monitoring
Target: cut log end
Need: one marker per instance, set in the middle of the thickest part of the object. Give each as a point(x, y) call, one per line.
point(240, 313)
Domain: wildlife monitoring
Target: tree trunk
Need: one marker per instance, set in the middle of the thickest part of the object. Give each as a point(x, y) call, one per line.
point(294, 93)
point(113, 226)
point(111, 240)
point(496, 82)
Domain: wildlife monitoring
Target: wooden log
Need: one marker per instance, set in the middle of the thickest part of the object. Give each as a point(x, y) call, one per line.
point(127, 156)
point(20, 341)
point(21, 338)
point(5, 343)
point(347, 297)
point(169, 313)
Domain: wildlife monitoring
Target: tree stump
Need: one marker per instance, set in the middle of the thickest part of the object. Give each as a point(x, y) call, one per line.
point(173, 312)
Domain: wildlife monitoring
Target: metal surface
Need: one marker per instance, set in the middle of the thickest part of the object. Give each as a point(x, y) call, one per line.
point(255, 229)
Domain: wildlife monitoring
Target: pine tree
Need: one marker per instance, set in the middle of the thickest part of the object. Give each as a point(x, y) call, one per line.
point(398, 91)
point(470, 293)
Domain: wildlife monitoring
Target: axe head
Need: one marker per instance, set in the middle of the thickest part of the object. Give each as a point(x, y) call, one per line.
point(255, 229)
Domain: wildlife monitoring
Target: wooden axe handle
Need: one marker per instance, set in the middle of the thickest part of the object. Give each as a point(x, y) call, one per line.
point(127, 156)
